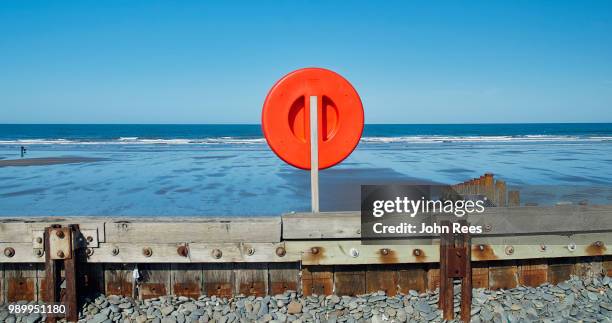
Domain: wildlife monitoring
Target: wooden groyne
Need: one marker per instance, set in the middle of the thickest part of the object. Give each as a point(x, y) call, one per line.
point(312, 253)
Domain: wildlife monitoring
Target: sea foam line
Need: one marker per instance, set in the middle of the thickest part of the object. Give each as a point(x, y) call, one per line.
point(366, 140)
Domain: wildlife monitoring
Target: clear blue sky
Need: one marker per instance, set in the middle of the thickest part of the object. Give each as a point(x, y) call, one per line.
point(214, 61)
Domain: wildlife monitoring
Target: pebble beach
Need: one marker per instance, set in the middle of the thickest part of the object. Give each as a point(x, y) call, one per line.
point(576, 300)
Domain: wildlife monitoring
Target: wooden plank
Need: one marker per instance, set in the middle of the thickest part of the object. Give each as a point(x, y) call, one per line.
point(41, 282)
point(500, 193)
point(317, 280)
point(338, 252)
point(349, 280)
point(489, 188)
point(381, 278)
point(503, 275)
point(283, 277)
point(324, 225)
point(154, 280)
point(22, 229)
point(412, 277)
point(532, 272)
point(251, 279)
point(560, 270)
point(118, 279)
point(187, 280)
point(2, 289)
point(433, 277)
point(607, 265)
point(480, 275)
point(514, 199)
point(218, 279)
point(504, 220)
point(198, 253)
point(20, 282)
point(588, 267)
point(229, 229)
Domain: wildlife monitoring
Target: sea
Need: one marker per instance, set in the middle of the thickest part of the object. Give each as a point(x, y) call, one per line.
point(229, 170)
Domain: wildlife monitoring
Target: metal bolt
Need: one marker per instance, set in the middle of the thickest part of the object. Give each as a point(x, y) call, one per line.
point(571, 247)
point(59, 234)
point(384, 251)
point(543, 247)
point(39, 240)
point(216, 253)
point(488, 227)
point(509, 250)
point(598, 244)
point(354, 252)
point(281, 252)
point(60, 254)
point(314, 250)
point(147, 252)
point(251, 251)
point(481, 247)
point(9, 252)
point(183, 250)
point(39, 252)
point(89, 252)
point(417, 252)
point(115, 251)
point(89, 239)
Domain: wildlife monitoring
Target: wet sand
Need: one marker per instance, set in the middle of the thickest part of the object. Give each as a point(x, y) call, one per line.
point(48, 161)
point(340, 188)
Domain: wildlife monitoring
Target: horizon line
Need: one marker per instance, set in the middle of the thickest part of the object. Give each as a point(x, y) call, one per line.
point(259, 124)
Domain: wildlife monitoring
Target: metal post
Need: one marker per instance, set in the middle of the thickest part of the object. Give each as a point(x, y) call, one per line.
point(314, 153)
point(455, 262)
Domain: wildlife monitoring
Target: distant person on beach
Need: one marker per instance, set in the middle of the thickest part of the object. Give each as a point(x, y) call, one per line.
point(23, 151)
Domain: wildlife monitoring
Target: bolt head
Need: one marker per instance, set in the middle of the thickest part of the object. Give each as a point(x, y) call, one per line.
point(115, 251)
point(59, 234)
point(281, 252)
point(384, 251)
point(251, 251)
point(39, 252)
point(314, 250)
point(216, 253)
point(89, 239)
point(147, 252)
point(60, 254)
point(89, 252)
point(39, 240)
point(416, 252)
point(183, 251)
point(9, 252)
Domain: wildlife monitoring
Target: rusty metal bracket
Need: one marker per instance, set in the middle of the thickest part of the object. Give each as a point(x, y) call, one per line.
point(62, 246)
point(455, 262)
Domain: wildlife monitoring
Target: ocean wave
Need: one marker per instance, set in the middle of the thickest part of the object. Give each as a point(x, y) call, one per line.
point(136, 141)
point(252, 141)
point(467, 139)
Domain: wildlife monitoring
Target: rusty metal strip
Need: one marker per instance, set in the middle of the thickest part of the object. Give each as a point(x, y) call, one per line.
point(455, 262)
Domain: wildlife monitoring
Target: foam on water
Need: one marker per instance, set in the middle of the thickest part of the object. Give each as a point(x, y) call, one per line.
point(242, 141)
